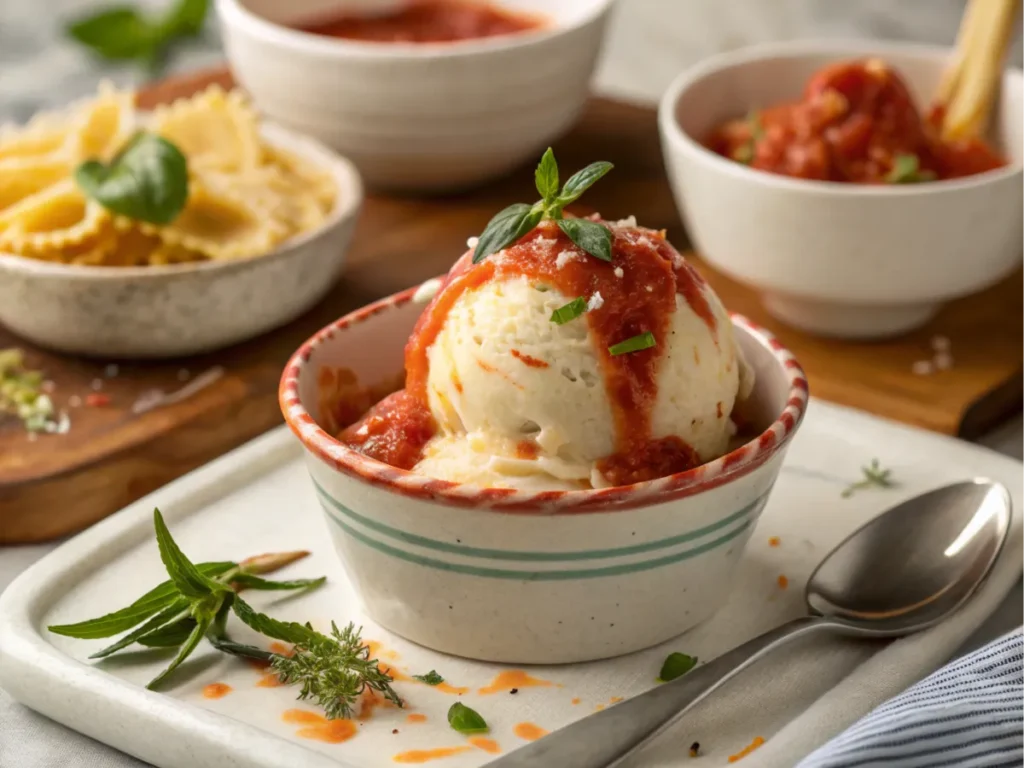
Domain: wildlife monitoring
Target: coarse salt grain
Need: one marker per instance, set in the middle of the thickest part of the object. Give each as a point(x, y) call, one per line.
point(426, 291)
point(111, 370)
point(940, 343)
point(544, 242)
point(943, 361)
point(97, 385)
point(473, 242)
point(595, 302)
point(618, 272)
point(923, 368)
point(650, 289)
point(629, 221)
point(564, 258)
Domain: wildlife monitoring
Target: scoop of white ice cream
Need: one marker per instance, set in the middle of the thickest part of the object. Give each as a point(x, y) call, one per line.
point(502, 375)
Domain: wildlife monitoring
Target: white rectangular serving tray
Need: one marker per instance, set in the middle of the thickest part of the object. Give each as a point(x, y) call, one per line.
point(259, 498)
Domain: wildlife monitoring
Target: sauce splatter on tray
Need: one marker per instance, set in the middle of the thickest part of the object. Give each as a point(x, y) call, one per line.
point(318, 728)
point(415, 717)
point(216, 691)
point(529, 731)
point(487, 745)
point(757, 742)
point(514, 678)
point(426, 755)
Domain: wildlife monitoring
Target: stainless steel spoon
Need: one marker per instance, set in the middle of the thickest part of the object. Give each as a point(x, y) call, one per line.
point(904, 571)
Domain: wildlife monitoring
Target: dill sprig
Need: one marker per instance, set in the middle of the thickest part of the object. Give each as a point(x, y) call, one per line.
point(874, 476)
point(333, 671)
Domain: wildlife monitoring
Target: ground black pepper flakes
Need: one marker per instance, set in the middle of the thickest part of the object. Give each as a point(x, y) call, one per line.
point(695, 749)
point(514, 690)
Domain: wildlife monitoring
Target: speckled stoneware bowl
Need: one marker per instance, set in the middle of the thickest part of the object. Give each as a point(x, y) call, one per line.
point(183, 309)
point(435, 116)
point(555, 577)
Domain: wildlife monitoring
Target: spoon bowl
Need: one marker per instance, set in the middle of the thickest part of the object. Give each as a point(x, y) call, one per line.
point(911, 567)
point(906, 570)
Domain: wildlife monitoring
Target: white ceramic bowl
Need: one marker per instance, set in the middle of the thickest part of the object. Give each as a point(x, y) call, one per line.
point(183, 309)
point(839, 259)
point(418, 116)
point(553, 577)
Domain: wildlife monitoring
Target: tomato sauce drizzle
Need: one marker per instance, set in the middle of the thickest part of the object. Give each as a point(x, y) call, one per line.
point(853, 120)
point(638, 291)
point(429, 21)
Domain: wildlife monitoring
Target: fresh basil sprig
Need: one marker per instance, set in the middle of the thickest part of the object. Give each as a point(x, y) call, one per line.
point(518, 219)
point(147, 180)
point(195, 602)
point(123, 33)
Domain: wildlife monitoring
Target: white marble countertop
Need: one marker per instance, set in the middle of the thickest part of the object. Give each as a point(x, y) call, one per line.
point(649, 42)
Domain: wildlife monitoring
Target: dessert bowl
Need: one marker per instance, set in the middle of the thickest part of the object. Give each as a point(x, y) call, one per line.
point(182, 309)
point(418, 116)
point(534, 577)
point(839, 259)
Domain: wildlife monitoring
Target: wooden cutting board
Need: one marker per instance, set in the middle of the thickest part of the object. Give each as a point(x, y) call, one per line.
point(59, 484)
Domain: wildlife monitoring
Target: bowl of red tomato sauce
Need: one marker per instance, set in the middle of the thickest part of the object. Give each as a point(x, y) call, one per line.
point(421, 95)
point(817, 173)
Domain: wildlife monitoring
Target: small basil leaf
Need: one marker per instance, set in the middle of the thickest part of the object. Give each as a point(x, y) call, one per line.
point(184, 652)
point(676, 665)
point(185, 18)
point(590, 236)
point(116, 34)
point(465, 720)
point(174, 611)
point(906, 169)
point(431, 678)
point(255, 582)
point(289, 631)
point(189, 580)
point(546, 176)
point(146, 181)
point(581, 181)
point(170, 635)
point(505, 228)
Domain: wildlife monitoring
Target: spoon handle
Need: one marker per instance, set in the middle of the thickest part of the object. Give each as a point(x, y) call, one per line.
point(604, 739)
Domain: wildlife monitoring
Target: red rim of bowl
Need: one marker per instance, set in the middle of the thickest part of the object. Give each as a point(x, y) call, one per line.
point(340, 457)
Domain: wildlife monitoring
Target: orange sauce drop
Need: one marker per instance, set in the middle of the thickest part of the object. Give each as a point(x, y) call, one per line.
point(454, 690)
point(319, 728)
point(415, 717)
point(216, 691)
point(281, 649)
point(426, 755)
point(615, 699)
point(599, 707)
point(269, 680)
point(774, 541)
point(576, 700)
point(487, 745)
point(783, 582)
point(371, 701)
point(529, 731)
point(757, 742)
point(514, 678)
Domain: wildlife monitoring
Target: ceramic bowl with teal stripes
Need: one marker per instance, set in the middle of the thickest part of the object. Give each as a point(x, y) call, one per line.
point(541, 577)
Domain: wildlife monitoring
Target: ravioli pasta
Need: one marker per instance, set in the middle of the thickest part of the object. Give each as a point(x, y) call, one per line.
point(245, 197)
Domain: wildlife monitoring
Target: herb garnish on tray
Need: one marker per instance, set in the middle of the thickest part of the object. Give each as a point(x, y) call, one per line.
point(518, 219)
point(195, 603)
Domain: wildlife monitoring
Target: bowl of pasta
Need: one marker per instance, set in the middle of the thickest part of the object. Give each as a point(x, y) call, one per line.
point(133, 234)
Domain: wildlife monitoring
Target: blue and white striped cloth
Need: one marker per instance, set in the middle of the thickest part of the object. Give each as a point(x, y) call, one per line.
point(969, 714)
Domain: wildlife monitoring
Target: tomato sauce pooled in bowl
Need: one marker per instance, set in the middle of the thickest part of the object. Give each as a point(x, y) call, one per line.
point(856, 122)
point(430, 21)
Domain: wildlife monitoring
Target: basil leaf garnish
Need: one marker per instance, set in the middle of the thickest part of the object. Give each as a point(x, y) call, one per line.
point(636, 343)
point(146, 181)
point(569, 312)
point(676, 665)
point(546, 176)
point(590, 236)
point(465, 720)
point(581, 181)
point(906, 169)
point(431, 678)
point(505, 228)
